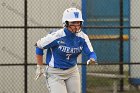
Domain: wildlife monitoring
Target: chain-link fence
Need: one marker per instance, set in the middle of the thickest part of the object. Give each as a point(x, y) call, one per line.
point(112, 26)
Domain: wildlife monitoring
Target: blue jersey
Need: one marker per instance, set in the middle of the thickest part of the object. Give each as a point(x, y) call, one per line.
point(63, 48)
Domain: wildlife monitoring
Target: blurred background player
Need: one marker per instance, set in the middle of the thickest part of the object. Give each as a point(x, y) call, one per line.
point(63, 47)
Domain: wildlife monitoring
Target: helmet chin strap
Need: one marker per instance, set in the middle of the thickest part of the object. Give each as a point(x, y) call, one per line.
point(78, 31)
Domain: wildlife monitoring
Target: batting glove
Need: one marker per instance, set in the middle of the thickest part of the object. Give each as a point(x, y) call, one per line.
point(91, 61)
point(39, 71)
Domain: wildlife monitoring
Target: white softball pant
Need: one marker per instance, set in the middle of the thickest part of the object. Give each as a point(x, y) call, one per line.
point(63, 81)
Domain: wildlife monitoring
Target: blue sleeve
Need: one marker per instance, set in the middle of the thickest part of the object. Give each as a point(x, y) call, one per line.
point(89, 52)
point(39, 51)
point(93, 55)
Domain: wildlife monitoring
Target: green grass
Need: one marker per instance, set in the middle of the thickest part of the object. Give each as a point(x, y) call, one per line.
point(105, 85)
point(98, 81)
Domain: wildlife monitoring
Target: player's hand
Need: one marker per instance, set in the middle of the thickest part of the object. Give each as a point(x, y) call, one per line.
point(39, 71)
point(91, 61)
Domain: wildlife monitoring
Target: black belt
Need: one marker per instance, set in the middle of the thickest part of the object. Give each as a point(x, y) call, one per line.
point(62, 68)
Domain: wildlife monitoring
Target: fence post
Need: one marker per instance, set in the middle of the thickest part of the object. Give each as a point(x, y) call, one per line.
point(121, 45)
point(25, 46)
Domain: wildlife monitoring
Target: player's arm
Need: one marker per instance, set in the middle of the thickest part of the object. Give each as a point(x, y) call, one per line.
point(88, 50)
point(92, 59)
point(39, 58)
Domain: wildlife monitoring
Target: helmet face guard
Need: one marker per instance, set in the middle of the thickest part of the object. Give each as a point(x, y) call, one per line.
point(73, 23)
point(67, 23)
point(71, 14)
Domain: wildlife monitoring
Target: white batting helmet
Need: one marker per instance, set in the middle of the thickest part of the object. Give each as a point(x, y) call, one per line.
point(72, 14)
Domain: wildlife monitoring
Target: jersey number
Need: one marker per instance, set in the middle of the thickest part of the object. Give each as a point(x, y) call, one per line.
point(68, 56)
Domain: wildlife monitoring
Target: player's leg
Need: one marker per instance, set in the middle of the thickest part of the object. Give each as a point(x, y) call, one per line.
point(54, 82)
point(56, 85)
point(73, 84)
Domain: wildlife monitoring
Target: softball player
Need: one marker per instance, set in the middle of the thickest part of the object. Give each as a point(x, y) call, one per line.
point(63, 47)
